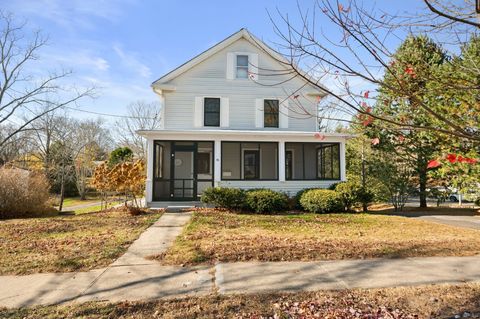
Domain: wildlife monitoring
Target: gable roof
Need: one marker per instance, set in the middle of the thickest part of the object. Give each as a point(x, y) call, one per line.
point(242, 33)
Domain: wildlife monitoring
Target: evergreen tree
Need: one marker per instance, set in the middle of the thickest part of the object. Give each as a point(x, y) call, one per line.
point(416, 61)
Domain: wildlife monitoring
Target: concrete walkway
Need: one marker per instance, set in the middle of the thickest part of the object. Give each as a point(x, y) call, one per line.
point(459, 221)
point(132, 277)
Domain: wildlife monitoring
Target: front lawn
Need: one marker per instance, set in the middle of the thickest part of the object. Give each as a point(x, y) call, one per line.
point(67, 243)
point(214, 235)
point(436, 301)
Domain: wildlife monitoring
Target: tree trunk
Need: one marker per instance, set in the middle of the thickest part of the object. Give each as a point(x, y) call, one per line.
point(364, 179)
point(422, 179)
point(62, 192)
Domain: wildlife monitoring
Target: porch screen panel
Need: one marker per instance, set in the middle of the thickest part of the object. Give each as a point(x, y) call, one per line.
point(268, 161)
point(310, 162)
point(235, 166)
point(161, 170)
point(315, 161)
point(204, 166)
point(231, 160)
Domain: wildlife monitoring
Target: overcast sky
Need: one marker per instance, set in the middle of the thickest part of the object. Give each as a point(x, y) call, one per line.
point(123, 46)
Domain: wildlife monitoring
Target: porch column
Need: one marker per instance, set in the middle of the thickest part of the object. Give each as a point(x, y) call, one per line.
point(149, 179)
point(343, 166)
point(281, 161)
point(217, 162)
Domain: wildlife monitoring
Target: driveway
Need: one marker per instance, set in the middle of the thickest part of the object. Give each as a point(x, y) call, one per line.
point(459, 221)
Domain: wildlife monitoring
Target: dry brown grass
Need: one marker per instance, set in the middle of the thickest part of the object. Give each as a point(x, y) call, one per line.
point(215, 236)
point(435, 301)
point(68, 243)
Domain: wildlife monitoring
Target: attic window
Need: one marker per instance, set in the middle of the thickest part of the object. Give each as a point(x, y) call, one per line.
point(242, 66)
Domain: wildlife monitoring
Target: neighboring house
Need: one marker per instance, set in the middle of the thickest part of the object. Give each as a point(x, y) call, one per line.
point(231, 117)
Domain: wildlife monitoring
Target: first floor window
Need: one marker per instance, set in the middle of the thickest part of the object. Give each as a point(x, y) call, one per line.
point(211, 111)
point(203, 163)
point(270, 116)
point(251, 164)
point(328, 162)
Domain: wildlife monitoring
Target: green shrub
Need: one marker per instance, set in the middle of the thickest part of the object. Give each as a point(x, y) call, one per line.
point(266, 201)
point(321, 201)
point(348, 193)
point(224, 197)
point(298, 196)
point(352, 194)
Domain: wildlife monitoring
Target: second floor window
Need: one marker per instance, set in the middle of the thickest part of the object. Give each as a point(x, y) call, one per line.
point(211, 112)
point(270, 109)
point(242, 66)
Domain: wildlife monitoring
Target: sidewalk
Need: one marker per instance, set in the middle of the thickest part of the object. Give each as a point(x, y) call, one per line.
point(132, 277)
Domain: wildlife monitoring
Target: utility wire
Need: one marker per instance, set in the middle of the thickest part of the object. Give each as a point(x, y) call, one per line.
point(112, 115)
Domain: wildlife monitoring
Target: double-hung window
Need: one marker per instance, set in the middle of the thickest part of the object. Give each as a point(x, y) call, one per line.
point(211, 111)
point(242, 66)
point(270, 115)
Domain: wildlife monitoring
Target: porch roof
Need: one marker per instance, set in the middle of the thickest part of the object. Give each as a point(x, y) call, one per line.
point(221, 133)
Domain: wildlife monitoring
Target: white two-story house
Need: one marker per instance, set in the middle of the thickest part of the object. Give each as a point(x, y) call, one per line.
point(236, 116)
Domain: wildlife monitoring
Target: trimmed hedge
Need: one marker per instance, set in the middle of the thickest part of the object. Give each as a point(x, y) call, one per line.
point(321, 201)
point(255, 200)
point(266, 201)
point(224, 197)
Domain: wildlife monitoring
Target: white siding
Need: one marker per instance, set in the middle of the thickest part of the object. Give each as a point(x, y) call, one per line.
point(288, 187)
point(209, 78)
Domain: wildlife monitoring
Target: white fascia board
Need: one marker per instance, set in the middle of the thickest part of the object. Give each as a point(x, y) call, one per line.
point(241, 135)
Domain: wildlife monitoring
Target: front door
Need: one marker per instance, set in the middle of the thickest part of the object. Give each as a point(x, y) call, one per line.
point(183, 184)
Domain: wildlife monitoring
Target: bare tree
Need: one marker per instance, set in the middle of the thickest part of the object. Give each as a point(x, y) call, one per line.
point(355, 47)
point(90, 143)
point(26, 96)
point(141, 115)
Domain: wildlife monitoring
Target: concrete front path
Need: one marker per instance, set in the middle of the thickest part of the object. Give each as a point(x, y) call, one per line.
point(459, 221)
point(132, 277)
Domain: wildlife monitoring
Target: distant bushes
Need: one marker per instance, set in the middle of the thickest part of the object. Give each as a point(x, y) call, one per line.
point(23, 193)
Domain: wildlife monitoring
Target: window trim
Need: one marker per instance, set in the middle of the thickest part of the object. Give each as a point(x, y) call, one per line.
point(219, 111)
point(270, 113)
point(242, 66)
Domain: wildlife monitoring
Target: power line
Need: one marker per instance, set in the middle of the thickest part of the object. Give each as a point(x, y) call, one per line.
point(111, 115)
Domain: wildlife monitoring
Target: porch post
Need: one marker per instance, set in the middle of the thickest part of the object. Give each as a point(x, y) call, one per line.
point(281, 161)
point(217, 163)
point(343, 167)
point(149, 179)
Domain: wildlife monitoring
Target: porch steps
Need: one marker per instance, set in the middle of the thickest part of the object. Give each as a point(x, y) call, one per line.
point(177, 207)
